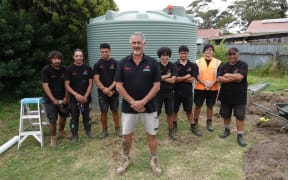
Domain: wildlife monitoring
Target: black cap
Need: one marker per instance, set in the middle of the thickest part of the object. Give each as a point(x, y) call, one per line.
point(233, 50)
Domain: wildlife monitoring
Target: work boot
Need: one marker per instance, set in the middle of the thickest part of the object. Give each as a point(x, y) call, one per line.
point(75, 139)
point(175, 126)
point(104, 133)
point(195, 130)
point(118, 132)
point(53, 141)
point(125, 162)
point(157, 171)
point(225, 134)
point(90, 135)
point(209, 125)
point(240, 140)
point(172, 134)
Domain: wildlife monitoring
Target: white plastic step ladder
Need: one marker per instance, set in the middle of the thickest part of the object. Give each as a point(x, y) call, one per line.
point(31, 112)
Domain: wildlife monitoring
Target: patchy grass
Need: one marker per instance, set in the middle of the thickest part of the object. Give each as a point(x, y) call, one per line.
point(277, 84)
point(190, 157)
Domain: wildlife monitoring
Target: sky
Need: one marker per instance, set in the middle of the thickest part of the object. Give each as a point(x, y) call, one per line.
point(142, 5)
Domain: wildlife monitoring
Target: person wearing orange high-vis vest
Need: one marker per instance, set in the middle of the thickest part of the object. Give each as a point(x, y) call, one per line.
point(206, 87)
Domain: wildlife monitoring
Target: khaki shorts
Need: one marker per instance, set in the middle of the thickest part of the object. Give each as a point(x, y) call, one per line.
point(149, 120)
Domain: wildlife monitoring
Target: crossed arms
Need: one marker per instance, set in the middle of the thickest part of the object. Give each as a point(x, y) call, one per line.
point(228, 77)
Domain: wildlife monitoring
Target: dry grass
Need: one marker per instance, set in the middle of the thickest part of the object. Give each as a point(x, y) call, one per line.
point(190, 157)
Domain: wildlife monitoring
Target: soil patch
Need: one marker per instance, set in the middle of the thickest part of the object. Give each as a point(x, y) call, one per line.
point(268, 158)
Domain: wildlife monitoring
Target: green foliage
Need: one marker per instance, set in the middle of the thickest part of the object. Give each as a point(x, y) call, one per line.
point(250, 10)
point(276, 83)
point(211, 18)
point(272, 68)
point(30, 29)
point(220, 51)
point(240, 13)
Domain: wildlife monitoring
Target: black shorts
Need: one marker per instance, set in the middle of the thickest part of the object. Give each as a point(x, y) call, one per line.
point(186, 101)
point(52, 111)
point(105, 102)
point(168, 100)
point(201, 95)
point(238, 111)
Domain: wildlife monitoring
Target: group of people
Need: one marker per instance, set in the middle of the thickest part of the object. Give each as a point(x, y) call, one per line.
point(145, 86)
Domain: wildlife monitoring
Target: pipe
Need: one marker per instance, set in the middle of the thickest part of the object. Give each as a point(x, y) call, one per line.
point(8, 144)
point(254, 88)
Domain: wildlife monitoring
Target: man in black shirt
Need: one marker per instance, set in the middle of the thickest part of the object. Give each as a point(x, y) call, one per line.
point(104, 72)
point(187, 71)
point(138, 81)
point(166, 94)
point(52, 77)
point(78, 82)
point(233, 93)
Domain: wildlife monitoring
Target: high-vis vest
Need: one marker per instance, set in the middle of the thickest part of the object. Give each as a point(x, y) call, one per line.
point(207, 73)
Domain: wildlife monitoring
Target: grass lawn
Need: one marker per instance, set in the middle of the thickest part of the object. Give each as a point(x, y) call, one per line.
point(190, 157)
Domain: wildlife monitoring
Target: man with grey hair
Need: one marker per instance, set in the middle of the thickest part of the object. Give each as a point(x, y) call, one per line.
point(138, 81)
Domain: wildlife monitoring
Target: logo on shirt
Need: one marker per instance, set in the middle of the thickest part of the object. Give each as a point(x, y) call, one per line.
point(189, 69)
point(85, 72)
point(126, 68)
point(101, 67)
point(53, 76)
point(112, 66)
point(147, 68)
point(74, 73)
point(236, 70)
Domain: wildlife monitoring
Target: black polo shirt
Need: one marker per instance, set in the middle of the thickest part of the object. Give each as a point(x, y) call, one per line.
point(167, 88)
point(79, 79)
point(234, 92)
point(106, 70)
point(184, 89)
point(138, 80)
point(55, 79)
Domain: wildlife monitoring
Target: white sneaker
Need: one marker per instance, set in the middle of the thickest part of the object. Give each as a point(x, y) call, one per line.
point(125, 162)
point(157, 171)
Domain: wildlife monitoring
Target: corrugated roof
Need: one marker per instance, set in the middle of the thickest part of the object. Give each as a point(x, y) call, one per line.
point(268, 25)
point(206, 33)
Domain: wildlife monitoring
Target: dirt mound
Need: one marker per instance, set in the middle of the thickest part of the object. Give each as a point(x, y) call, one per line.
point(269, 158)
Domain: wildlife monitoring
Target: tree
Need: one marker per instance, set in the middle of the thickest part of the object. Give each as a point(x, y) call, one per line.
point(240, 13)
point(209, 17)
point(29, 29)
point(249, 10)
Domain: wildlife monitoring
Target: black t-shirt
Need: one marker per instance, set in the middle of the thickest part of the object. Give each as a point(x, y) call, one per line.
point(55, 79)
point(169, 68)
point(79, 79)
point(234, 92)
point(138, 80)
point(184, 89)
point(106, 70)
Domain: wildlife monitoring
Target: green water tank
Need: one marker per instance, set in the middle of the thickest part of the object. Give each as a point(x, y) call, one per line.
point(159, 27)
